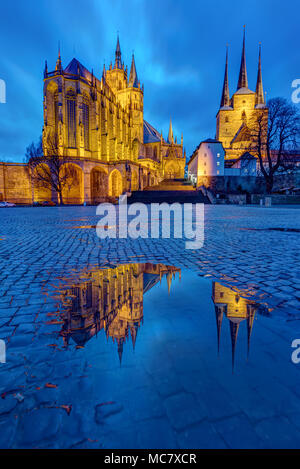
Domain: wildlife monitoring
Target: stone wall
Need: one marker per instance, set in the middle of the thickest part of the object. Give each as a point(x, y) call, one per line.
point(232, 184)
point(15, 183)
point(251, 184)
point(277, 199)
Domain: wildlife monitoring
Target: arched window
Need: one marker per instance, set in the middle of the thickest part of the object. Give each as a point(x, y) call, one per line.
point(56, 114)
point(86, 123)
point(71, 119)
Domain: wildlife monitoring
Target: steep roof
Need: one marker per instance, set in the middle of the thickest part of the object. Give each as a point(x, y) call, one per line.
point(151, 135)
point(75, 66)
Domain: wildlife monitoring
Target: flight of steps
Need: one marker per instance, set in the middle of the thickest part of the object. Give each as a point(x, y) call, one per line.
point(170, 191)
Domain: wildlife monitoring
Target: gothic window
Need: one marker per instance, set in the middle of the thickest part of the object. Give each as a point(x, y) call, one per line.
point(75, 295)
point(71, 119)
point(89, 297)
point(56, 116)
point(86, 124)
point(226, 119)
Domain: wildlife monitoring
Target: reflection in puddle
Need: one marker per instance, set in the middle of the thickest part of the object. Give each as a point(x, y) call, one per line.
point(236, 309)
point(109, 299)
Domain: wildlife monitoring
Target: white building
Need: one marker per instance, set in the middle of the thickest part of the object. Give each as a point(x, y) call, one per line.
point(207, 160)
point(245, 165)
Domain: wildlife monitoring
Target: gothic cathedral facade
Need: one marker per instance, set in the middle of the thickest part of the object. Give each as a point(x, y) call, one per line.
point(99, 124)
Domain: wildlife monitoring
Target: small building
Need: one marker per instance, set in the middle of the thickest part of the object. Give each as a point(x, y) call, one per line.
point(245, 165)
point(207, 160)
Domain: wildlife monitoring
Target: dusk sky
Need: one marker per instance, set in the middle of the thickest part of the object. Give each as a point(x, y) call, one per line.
point(179, 48)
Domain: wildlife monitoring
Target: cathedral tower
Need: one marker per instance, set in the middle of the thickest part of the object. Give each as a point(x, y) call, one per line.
point(235, 113)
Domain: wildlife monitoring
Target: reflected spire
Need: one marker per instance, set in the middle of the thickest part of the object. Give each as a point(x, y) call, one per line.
point(219, 319)
point(120, 349)
point(250, 320)
point(234, 329)
point(169, 281)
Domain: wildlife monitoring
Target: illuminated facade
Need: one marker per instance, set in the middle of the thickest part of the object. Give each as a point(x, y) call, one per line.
point(99, 123)
point(237, 309)
point(110, 299)
point(98, 126)
point(235, 113)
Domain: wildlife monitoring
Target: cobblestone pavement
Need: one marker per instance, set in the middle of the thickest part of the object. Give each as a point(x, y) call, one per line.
point(165, 394)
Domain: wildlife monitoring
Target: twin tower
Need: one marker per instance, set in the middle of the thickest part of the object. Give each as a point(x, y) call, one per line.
point(237, 111)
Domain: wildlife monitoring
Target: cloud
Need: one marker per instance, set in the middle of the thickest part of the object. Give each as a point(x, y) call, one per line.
point(179, 49)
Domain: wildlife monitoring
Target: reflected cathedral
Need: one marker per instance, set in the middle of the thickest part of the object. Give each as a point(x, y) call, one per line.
point(110, 299)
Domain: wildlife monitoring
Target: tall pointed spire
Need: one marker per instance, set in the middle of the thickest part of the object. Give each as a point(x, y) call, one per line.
point(118, 60)
point(243, 80)
point(46, 69)
point(133, 78)
point(170, 135)
point(225, 100)
point(259, 86)
point(58, 62)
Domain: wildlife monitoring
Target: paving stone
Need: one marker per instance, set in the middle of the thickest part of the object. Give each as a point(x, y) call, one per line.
point(183, 410)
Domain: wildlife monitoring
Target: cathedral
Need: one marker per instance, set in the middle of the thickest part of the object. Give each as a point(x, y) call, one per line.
point(99, 125)
point(236, 112)
point(109, 300)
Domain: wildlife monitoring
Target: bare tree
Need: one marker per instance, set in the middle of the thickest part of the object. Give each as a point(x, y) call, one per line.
point(274, 135)
point(49, 169)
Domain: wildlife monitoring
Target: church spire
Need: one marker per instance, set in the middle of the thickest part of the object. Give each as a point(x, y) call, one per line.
point(58, 62)
point(118, 61)
point(243, 80)
point(133, 78)
point(46, 69)
point(225, 100)
point(170, 135)
point(259, 86)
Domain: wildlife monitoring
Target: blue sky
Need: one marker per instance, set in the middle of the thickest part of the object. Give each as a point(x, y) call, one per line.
point(179, 47)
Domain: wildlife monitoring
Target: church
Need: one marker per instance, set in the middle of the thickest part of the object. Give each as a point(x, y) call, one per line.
point(231, 152)
point(99, 129)
point(236, 112)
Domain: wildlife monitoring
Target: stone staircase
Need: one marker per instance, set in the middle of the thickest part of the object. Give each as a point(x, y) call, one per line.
point(170, 191)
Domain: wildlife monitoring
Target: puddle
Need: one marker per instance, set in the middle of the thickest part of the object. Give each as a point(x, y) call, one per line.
point(150, 356)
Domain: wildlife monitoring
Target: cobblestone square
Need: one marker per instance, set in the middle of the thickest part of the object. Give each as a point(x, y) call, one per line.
point(163, 383)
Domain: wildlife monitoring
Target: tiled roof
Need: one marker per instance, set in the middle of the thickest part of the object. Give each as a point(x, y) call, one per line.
point(73, 67)
point(151, 135)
